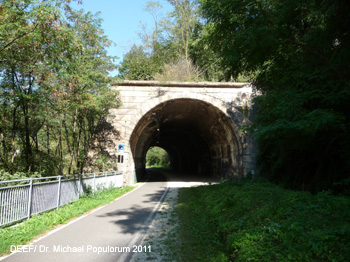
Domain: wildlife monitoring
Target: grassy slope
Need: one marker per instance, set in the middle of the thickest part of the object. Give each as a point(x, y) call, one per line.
point(38, 224)
point(258, 221)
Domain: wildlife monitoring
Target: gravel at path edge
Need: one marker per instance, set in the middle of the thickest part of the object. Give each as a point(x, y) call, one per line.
point(162, 233)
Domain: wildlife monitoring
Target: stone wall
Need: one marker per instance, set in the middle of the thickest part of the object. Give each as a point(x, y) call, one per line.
point(139, 98)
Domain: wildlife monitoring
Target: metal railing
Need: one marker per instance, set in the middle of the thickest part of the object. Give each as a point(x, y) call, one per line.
point(19, 199)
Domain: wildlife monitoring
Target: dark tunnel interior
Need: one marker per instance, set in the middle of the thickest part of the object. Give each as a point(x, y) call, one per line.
point(199, 138)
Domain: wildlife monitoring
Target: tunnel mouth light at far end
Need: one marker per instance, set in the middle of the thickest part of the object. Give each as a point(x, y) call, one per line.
point(157, 157)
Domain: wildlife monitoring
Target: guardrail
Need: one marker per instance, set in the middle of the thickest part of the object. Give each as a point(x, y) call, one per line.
point(19, 199)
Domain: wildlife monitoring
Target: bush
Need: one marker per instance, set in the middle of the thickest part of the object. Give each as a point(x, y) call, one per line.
point(180, 70)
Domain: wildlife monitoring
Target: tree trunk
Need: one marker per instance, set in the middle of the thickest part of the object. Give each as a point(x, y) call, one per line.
point(3, 142)
point(27, 146)
point(14, 117)
point(77, 157)
point(57, 152)
point(86, 146)
point(73, 141)
point(48, 139)
point(60, 152)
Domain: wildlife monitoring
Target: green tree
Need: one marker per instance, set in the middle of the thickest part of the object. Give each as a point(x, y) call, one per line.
point(54, 85)
point(25, 47)
point(209, 63)
point(298, 52)
point(137, 65)
point(180, 24)
point(85, 81)
point(166, 46)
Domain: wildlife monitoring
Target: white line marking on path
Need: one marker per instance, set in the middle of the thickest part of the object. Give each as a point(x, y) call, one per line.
point(138, 236)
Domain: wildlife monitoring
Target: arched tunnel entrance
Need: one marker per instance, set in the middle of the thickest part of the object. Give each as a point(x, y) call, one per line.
point(199, 138)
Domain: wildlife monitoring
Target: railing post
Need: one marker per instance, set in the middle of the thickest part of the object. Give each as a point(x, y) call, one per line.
point(59, 192)
point(94, 188)
point(29, 208)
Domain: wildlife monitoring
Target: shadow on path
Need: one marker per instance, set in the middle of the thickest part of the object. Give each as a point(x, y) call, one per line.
point(132, 219)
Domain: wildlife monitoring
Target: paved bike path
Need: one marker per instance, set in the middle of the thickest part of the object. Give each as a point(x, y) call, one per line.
point(111, 233)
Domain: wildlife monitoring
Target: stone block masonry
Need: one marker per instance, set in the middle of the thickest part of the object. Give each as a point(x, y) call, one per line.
point(198, 124)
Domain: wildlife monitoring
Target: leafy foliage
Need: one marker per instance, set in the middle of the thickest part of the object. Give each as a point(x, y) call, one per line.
point(259, 221)
point(138, 65)
point(298, 53)
point(54, 85)
point(166, 47)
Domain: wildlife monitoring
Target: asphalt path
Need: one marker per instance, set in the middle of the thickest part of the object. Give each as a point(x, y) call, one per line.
point(111, 233)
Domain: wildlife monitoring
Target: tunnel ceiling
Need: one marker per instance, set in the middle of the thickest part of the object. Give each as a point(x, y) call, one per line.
point(189, 130)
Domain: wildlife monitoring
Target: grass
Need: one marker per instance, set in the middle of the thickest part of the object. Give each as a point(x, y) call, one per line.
point(156, 167)
point(259, 221)
point(38, 224)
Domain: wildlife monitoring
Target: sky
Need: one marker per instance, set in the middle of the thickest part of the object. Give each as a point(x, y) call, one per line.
point(121, 21)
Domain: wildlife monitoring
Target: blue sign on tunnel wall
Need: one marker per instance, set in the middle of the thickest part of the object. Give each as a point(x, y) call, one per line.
point(121, 147)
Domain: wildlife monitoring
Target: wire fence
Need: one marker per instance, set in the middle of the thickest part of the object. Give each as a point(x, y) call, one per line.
point(20, 199)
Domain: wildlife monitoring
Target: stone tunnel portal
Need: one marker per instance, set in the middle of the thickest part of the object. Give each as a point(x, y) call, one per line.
point(199, 138)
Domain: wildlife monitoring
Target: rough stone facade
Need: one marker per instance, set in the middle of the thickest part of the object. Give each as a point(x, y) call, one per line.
point(199, 124)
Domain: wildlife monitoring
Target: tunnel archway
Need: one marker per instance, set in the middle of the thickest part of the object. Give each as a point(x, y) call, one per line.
point(199, 138)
